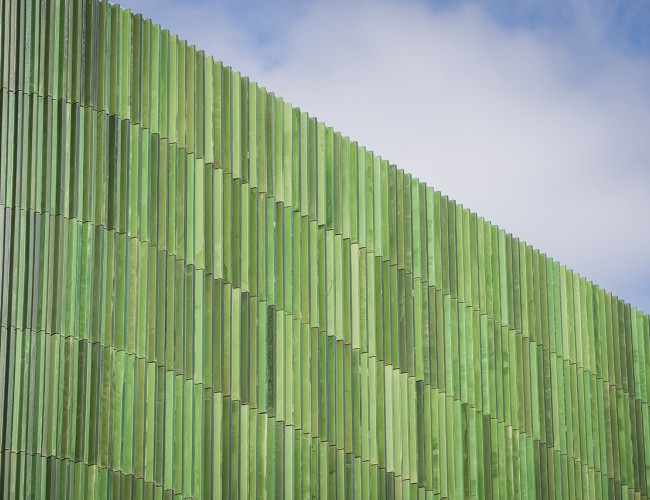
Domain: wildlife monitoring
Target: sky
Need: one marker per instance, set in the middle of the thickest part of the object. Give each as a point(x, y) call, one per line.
point(535, 115)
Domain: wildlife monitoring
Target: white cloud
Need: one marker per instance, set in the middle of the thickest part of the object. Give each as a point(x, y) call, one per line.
point(548, 140)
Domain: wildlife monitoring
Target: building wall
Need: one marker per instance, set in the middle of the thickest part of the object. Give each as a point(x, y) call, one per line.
point(205, 292)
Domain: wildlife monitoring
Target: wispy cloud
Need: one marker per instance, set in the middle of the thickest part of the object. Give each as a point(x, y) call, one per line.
point(541, 128)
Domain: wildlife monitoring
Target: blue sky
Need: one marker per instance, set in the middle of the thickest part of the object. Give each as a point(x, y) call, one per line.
point(534, 114)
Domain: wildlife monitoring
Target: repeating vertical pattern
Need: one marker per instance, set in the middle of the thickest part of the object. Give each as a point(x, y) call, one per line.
point(207, 293)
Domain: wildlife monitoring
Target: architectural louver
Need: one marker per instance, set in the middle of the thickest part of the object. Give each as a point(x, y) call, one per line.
point(207, 293)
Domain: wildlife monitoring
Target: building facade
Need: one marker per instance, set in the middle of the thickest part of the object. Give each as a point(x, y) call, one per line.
point(207, 293)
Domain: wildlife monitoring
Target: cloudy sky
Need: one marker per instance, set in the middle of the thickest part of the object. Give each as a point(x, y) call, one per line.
point(534, 114)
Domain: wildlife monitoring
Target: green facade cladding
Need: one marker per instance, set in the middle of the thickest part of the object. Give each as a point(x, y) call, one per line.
point(207, 293)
